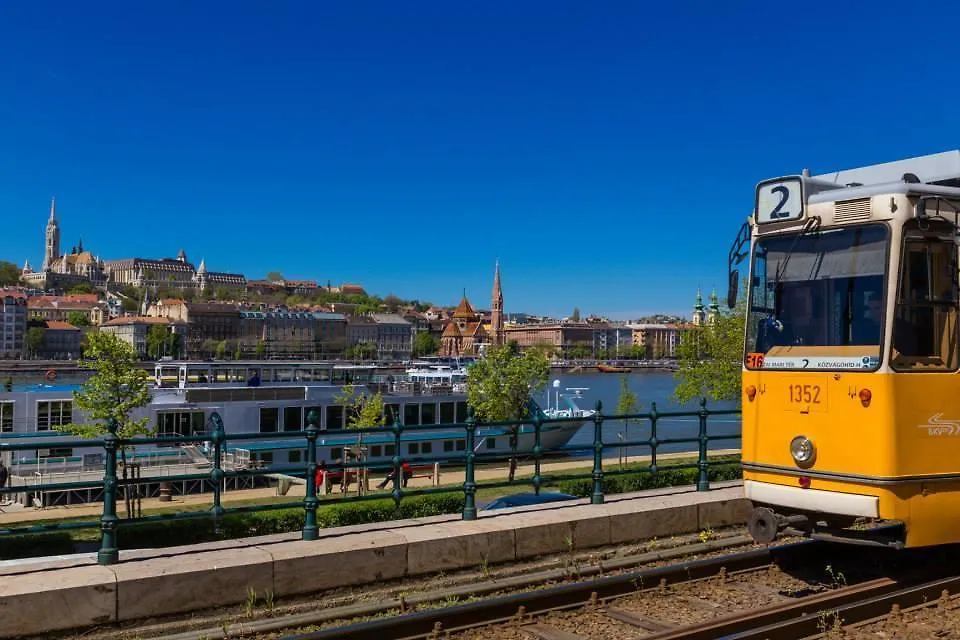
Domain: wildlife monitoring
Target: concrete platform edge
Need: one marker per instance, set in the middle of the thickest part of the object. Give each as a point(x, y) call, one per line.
point(182, 579)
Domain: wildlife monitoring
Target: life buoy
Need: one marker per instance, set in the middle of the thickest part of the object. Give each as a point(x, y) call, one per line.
point(51, 375)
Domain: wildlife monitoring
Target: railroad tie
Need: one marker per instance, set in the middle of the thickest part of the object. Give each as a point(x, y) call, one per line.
point(546, 632)
point(637, 620)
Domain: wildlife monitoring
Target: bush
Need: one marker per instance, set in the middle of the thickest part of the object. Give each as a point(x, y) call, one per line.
point(641, 480)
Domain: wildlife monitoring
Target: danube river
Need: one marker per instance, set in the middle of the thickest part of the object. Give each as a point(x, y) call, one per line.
point(649, 387)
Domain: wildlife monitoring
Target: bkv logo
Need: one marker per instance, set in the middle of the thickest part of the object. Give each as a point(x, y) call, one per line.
point(937, 426)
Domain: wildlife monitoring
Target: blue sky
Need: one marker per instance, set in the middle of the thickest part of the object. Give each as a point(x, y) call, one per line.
point(606, 153)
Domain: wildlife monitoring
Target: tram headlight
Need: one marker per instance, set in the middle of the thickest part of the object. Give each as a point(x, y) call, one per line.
point(802, 450)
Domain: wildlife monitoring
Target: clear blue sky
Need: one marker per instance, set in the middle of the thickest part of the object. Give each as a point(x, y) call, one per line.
point(606, 152)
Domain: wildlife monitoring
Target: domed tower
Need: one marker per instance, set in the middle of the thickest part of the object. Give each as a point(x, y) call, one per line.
point(713, 311)
point(52, 249)
point(699, 314)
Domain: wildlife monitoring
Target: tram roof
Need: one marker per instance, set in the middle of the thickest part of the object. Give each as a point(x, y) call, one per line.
point(941, 169)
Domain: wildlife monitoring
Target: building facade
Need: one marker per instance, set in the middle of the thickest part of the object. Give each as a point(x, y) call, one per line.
point(468, 332)
point(394, 336)
point(61, 340)
point(134, 330)
point(61, 308)
point(281, 333)
point(13, 323)
point(61, 271)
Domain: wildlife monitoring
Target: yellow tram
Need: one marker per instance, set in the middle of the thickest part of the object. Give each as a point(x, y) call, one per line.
point(851, 390)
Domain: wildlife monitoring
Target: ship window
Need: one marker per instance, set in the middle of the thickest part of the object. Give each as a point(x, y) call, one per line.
point(391, 413)
point(447, 446)
point(53, 414)
point(428, 413)
point(461, 445)
point(6, 417)
point(413, 448)
point(179, 423)
point(336, 453)
point(269, 419)
point(292, 418)
point(448, 412)
point(376, 451)
point(56, 452)
point(491, 443)
point(335, 417)
point(411, 414)
point(294, 457)
point(266, 457)
point(426, 447)
point(389, 450)
point(461, 412)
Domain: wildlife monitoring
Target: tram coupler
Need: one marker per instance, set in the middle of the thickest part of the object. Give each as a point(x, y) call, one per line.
point(764, 524)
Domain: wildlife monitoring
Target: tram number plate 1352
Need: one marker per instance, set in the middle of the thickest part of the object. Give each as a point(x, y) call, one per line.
point(806, 396)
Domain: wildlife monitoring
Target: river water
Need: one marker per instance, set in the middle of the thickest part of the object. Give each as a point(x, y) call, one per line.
point(650, 387)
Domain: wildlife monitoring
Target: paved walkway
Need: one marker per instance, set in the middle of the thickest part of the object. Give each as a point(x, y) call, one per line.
point(12, 514)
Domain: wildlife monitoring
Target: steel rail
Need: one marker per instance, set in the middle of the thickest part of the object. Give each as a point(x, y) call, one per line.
point(565, 596)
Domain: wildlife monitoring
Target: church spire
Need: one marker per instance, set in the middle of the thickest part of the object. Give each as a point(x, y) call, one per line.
point(496, 314)
point(53, 210)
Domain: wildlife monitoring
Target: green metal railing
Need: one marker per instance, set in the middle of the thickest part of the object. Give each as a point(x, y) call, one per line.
point(109, 523)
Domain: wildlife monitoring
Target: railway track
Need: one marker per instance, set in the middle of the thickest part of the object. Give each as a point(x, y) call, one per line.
point(795, 590)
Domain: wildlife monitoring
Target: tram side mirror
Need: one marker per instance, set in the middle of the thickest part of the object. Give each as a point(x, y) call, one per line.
point(733, 288)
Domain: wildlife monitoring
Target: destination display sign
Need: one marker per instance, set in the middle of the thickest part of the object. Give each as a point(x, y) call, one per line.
point(820, 362)
point(779, 200)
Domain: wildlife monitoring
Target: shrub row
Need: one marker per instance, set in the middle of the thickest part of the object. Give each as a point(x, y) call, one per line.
point(641, 480)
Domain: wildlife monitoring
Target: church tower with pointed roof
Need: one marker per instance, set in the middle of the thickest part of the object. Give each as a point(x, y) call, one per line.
point(52, 249)
point(699, 315)
point(496, 309)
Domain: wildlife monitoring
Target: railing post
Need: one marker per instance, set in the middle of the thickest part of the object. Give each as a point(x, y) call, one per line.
point(597, 496)
point(216, 474)
point(109, 553)
point(310, 501)
point(469, 481)
point(397, 493)
point(537, 452)
point(703, 482)
point(654, 443)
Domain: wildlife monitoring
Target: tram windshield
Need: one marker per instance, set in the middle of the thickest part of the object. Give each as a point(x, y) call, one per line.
point(816, 299)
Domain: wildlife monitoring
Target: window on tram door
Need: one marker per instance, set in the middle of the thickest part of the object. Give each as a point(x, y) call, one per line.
point(6, 417)
point(818, 298)
point(54, 413)
point(293, 418)
point(448, 412)
point(269, 419)
point(461, 412)
point(925, 317)
point(411, 414)
point(428, 413)
point(391, 413)
point(335, 417)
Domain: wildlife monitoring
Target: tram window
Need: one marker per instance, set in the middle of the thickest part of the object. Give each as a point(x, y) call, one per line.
point(447, 446)
point(292, 418)
point(269, 419)
point(925, 319)
point(448, 412)
point(426, 447)
point(428, 413)
point(461, 412)
point(389, 450)
point(413, 448)
point(376, 451)
point(461, 445)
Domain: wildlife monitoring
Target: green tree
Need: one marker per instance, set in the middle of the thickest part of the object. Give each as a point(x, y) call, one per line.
point(9, 274)
point(82, 287)
point(117, 387)
point(362, 411)
point(500, 385)
point(710, 359)
point(425, 344)
point(34, 340)
point(626, 404)
point(580, 351)
point(158, 342)
point(261, 349)
point(575, 316)
point(638, 352)
point(222, 350)
point(78, 319)
point(238, 353)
